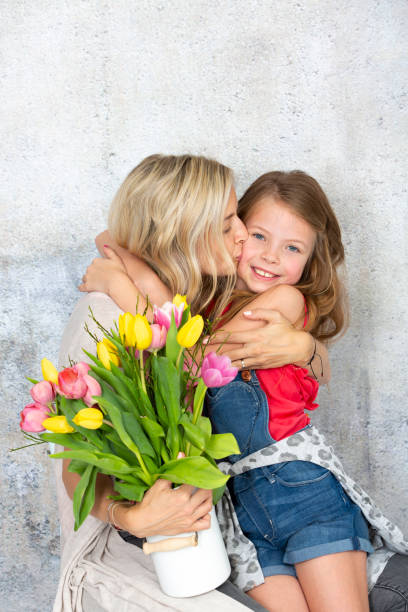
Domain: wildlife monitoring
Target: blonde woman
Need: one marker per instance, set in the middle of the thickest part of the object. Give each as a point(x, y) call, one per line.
point(178, 216)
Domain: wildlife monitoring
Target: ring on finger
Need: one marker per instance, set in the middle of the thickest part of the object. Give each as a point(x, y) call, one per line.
point(243, 364)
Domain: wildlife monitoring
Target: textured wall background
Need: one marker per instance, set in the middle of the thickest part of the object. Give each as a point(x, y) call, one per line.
point(90, 87)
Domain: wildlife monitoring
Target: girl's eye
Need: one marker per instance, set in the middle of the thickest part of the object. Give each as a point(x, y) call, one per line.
point(293, 249)
point(227, 230)
point(258, 236)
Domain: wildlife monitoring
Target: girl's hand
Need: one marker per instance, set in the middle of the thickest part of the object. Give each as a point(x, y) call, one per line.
point(166, 511)
point(104, 273)
point(142, 275)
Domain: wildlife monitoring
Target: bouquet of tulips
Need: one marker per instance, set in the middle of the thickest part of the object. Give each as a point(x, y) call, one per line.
point(135, 413)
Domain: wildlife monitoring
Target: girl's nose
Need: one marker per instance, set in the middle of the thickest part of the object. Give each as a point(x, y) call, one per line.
point(270, 257)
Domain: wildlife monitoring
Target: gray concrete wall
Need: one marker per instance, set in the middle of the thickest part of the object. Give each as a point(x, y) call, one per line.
point(89, 88)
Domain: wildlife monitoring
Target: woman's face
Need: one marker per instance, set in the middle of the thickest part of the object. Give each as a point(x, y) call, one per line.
point(278, 248)
point(235, 234)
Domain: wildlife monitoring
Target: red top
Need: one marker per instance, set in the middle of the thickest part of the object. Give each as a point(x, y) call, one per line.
point(289, 391)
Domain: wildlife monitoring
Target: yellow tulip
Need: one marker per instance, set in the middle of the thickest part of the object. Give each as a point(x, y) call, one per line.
point(90, 418)
point(190, 332)
point(106, 352)
point(49, 371)
point(127, 329)
point(180, 299)
point(111, 347)
point(143, 332)
point(58, 424)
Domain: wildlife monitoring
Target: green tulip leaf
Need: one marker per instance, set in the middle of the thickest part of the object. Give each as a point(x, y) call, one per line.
point(217, 494)
point(109, 464)
point(134, 478)
point(222, 445)
point(172, 346)
point(158, 400)
point(154, 432)
point(204, 424)
point(118, 448)
point(152, 428)
point(145, 405)
point(173, 441)
point(77, 467)
point(151, 465)
point(199, 396)
point(134, 492)
point(117, 419)
point(133, 428)
point(84, 495)
point(128, 383)
point(137, 434)
point(117, 384)
point(111, 395)
point(73, 441)
point(194, 451)
point(169, 385)
point(185, 316)
point(194, 435)
point(196, 471)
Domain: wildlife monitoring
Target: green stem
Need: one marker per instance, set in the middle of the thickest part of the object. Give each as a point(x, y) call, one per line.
point(27, 445)
point(142, 373)
point(198, 409)
point(142, 465)
point(164, 454)
point(178, 356)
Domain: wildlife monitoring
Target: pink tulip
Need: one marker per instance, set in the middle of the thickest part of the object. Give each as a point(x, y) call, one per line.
point(159, 336)
point(43, 392)
point(71, 384)
point(32, 417)
point(216, 370)
point(81, 368)
point(93, 388)
point(162, 316)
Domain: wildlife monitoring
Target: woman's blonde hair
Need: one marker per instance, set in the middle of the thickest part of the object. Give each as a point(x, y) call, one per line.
point(320, 282)
point(170, 210)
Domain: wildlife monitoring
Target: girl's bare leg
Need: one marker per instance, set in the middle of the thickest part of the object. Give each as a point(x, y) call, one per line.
point(280, 594)
point(336, 582)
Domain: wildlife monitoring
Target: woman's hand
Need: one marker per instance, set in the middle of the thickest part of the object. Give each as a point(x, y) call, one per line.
point(276, 342)
point(163, 510)
point(166, 511)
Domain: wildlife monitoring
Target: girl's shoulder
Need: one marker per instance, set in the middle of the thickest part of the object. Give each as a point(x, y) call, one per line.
point(288, 300)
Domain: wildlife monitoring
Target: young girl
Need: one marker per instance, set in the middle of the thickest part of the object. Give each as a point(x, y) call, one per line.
point(304, 527)
point(296, 512)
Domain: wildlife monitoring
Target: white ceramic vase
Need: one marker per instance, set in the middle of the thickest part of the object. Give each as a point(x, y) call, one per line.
point(193, 570)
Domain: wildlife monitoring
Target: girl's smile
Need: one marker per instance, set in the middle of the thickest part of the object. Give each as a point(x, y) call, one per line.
point(278, 248)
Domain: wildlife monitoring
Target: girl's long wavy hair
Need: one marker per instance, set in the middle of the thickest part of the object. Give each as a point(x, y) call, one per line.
point(320, 282)
point(169, 211)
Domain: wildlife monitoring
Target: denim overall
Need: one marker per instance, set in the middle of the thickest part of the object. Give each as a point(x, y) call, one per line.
point(292, 511)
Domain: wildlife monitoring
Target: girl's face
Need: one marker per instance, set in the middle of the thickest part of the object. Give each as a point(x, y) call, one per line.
point(235, 234)
point(279, 245)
